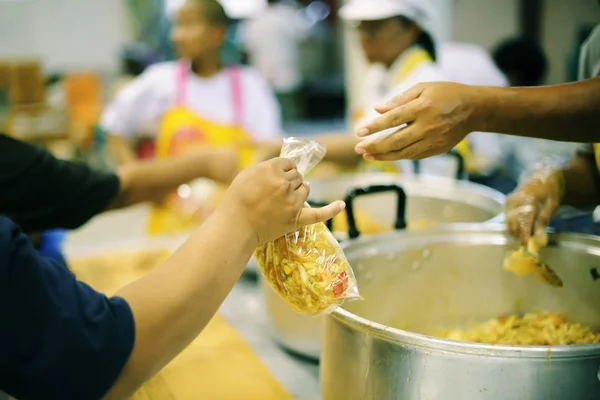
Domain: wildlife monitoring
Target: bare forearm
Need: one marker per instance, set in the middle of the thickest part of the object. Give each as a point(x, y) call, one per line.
point(149, 180)
point(565, 112)
point(172, 304)
point(120, 150)
point(581, 183)
point(340, 148)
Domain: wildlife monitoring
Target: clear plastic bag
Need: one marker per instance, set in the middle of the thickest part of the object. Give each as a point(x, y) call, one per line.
point(307, 268)
point(528, 212)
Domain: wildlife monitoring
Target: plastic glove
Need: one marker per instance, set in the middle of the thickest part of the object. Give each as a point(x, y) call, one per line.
point(531, 206)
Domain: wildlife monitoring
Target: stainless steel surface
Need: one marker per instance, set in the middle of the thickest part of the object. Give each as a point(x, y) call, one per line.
point(453, 277)
point(439, 200)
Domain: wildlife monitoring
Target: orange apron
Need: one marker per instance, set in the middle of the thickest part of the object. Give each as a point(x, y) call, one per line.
point(181, 130)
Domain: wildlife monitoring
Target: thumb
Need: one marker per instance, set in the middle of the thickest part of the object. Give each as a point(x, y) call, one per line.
point(400, 100)
point(309, 216)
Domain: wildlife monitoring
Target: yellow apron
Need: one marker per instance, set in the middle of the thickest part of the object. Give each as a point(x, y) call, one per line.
point(596, 147)
point(414, 59)
point(181, 130)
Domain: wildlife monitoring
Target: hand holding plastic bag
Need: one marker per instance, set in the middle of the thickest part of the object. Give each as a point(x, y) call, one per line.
point(307, 268)
point(532, 205)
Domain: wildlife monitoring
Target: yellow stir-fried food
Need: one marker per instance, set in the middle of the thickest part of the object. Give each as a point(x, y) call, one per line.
point(532, 329)
point(368, 226)
point(520, 263)
point(308, 270)
point(526, 261)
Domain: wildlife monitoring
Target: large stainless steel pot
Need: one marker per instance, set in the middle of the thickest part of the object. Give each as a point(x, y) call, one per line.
point(448, 277)
point(439, 200)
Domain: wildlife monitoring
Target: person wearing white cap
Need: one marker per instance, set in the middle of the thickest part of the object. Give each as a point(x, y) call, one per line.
point(398, 39)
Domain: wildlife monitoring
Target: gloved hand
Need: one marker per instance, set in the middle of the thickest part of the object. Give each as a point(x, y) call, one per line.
point(530, 207)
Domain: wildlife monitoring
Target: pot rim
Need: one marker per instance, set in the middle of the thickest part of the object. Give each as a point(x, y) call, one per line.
point(433, 180)
point(411, 339)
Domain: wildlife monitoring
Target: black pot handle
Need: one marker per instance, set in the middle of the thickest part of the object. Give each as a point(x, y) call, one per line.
point(353, 232)
point(460, 164)
point(460, 168)
point(315, 203)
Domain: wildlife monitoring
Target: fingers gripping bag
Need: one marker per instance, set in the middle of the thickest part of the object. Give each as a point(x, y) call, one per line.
point(307, 268)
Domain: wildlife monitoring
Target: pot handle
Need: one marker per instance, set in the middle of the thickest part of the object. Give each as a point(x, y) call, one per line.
point(460, 164)
point(314, 203)
point(353, 232)
point(460, 167)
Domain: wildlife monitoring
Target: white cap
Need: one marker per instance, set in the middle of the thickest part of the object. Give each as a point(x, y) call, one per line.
point(239, 9)
point(421, 12)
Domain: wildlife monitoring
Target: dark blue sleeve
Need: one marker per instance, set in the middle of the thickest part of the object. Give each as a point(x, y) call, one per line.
point(59, 339)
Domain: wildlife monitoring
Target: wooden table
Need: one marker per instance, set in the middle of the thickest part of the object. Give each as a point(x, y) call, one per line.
point(218, 365)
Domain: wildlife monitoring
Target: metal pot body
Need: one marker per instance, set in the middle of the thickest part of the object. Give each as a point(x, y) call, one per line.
point(418, 283)
point(440, 200)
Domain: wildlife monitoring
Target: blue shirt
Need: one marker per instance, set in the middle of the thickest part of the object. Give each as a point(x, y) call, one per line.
point(59, 339)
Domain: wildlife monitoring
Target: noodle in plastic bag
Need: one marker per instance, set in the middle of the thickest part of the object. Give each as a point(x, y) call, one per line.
point(307, 268)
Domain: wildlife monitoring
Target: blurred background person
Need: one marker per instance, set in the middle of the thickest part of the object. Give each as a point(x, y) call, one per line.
point(135, 58)
point(210, 102)
point(272, 40)
point(194, 102)
point(522, 61)
point(470, 64)
point(397, 40)
point(473, 65)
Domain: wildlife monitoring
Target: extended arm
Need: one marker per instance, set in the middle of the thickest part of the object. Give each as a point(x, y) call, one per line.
point(569, 112)
point(440, 115)
point(150, 180)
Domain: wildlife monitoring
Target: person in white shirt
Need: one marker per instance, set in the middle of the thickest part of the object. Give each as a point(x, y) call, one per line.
point(272, 41)
point(223, 105)
point(397, 40)
point(470, 64)
point(193, 103)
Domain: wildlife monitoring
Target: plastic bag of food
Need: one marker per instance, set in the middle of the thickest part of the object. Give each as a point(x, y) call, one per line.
point(307, 268)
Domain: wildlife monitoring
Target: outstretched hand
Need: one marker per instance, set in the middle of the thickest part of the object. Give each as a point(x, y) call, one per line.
point(431, 118)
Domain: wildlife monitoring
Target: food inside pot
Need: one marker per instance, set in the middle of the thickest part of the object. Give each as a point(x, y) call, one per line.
point(531, 329)
point(369, 226)
point(526, 261)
